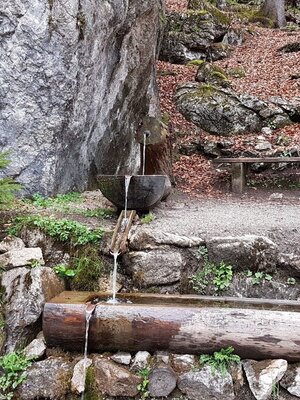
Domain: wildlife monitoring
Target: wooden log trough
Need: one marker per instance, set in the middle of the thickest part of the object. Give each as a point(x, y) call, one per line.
point(256, 328)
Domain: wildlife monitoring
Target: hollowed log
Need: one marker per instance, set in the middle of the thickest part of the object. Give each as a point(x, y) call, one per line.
point(256, 328)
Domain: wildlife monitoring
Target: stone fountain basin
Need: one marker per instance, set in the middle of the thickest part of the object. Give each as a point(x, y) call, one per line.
point(256, 328)
point(144, 191)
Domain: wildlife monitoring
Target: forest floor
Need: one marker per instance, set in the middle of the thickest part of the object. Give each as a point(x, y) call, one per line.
point(267, 73)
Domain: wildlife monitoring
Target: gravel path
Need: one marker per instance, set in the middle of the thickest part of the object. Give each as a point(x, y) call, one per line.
point(279, 221)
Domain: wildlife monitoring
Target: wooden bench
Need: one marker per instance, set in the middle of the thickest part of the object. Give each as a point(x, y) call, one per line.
point(239, 168)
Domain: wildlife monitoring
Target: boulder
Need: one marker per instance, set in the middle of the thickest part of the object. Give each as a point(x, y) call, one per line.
point(211, 73)
point(183, 362)
point(36, 349)
point(141, 360)
point(291, 262)
point(263, 375)
point(122, 358)
point(157, 267)
point(162, 381)
point(79, 375)
point(291, 379)
point(48, 379)
point(26, 292)
point(148, 239)
point(244, 252)
point(11, 243)
point(206, 385)
point(21, 257)
point(113, 380)
point(191, 35)
point(229, 113)
point(76, 85)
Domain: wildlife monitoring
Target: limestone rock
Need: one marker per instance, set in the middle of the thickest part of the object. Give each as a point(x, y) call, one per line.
point(148, 239)
point(21, 257)
point(183, 362)
point(11, 243)
point(244, 252)
point(162, 357)
point(48, 379)
point(205, 385)
point(262, 375)
point(78, 377)
point(230, 113)
point(190, 35)
point(36, 349)
point(212, 74)
point(76, 84)
point(157, 267)
point(162, 381)
point(141, 360)
point(114, 380)
point(291, 379)
point(122, 358)
point(26, 292)
point(290, 261)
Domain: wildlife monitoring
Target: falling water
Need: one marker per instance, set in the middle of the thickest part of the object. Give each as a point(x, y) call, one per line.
point(114, 279)
point(88, 315)
point(125, 220)
point(144, 153)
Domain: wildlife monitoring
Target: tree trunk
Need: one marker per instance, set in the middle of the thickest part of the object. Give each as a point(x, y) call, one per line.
point(274, 9)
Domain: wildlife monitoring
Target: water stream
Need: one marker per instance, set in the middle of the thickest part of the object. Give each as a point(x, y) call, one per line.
point(90, 307)
point(113, 300)
point(146, 135)
point(125, 219)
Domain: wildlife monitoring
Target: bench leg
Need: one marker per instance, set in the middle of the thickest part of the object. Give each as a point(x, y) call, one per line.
point(238, 177)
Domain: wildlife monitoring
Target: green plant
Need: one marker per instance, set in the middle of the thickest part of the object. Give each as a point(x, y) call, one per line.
point(2, 323)
point(14, 367)
point(34, 263)
point(99, 213)
point(143, 386)
point(258, 277)
point(8, 186)
point(223, 276)
point(220, 360)
point(57, 202)
point(196, 62)
point(275, 391)
point(220, 275)
point(88, 266)
point(61, 229)
point(146, 219)
point(63, 271)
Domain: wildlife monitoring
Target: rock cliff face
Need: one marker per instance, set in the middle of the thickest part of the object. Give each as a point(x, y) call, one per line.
point(76, 79)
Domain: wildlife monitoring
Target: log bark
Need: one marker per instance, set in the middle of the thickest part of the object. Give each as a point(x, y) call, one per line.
point(256, 328)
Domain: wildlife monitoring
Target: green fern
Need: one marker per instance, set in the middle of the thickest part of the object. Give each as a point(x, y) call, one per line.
point(8, 186)
point(220, 360)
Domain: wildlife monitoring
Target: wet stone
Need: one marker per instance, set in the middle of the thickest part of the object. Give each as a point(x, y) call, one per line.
point(49, 379)
point(162, 381)
point(36, 349)
point(141, 360)
point(183, 362)
point(206, 385)
point(113, 380)
point(122, 358)
point(291, 379)
point(262, 375)
point(78, 378)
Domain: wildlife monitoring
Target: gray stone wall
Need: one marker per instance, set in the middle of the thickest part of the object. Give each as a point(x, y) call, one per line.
point(76, 78)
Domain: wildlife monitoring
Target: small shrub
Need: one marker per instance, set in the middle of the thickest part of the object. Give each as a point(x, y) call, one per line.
point(258, 277)
point(146, 219)
point(8, 186)
point(220, 275)
point(143, 386)
point(61, 229)
point(88, 266)
point(99, 213)
point(220, 360)
point(14, 367)
point(60, 200)
point(63, 271)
